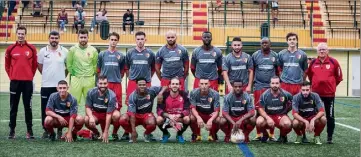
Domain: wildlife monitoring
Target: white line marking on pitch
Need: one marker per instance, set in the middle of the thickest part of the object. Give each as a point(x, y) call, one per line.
point(19, 120)
point(347, 126)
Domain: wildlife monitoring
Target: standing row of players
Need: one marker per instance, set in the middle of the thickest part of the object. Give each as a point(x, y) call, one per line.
point(83, 62)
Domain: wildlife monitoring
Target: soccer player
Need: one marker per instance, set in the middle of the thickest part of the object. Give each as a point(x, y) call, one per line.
point(173, 60)
point(51, 64)
point(238, 112)
point(61, 111)
point(139, 63)
point(293, 65)
point(238, 65)
point(101, 105)
point(206, 62)
point(325, 74)
point(20, 65)
point(265, 62)
point(308, 112)
point(111, 64)
point(81, 63)
point(174, 109)
point(205, 111)
point(140, 110)
point(275, 104)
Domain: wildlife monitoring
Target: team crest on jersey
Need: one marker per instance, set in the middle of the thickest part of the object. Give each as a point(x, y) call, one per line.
point(68, 104)
point(210, 100)
point(105, 100)
point(244, 101)
point(27, 53)
point(282, 99)
point(213, 54)
point(328, 66)
point(311, 101)
point(88, 53)
point(273, 59)
point(180, 99)
point(245, 60)
point(59, 54)
point(298, 56)
point(147, 55)
point(148, 97)
point(118, 56)
point(179, 51)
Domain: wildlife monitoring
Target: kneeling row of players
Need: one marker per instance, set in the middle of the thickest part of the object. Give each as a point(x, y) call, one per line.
point(177, 110)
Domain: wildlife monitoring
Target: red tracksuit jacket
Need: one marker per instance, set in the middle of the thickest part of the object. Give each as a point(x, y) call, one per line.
point(325, 76)
point(21, 61)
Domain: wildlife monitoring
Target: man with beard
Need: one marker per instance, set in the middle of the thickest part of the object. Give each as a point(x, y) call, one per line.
point(139, 63)
point(309, 113)
point(101, 105)
point(111, 64)
point(173, 111)
point(238, 112)
point(265, 62)
point(20, 65)
point(173, 60)
point(61, 111)
point(238, 65)
point(205, 108)
point(140, 110)
point(206, 62)
point(325, 74)
point(275, 104)
point(293, 65)
point(51, 64)
point(81, 63)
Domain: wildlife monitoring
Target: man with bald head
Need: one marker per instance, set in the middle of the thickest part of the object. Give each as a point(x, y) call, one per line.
point(325, 74)
point(265, 63)
point(172, 61)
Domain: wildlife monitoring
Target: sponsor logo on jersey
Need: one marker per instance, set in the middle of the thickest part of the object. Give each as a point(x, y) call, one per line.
point(328, 66)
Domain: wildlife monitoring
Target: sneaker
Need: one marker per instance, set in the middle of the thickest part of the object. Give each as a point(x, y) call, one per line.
point(180, 139)
point(298, 140)
point(59, 134)
point(196, 138)
point(165, 138)
point(45, 135)
point(130, 141)
point(147, 138)
point(152, 138)
point(95, 136)
point(11, 134)
point(317, 140)
point(125, 136)
point(210, 139)
point(213, 138)
point(257, 138)
point(30, 135)
point(115, 137)
point(329, 140)
point(272, 138)
point(305, 140)
point(75, 136)
point(264, 138)
point(282, 139)
point(52, 137)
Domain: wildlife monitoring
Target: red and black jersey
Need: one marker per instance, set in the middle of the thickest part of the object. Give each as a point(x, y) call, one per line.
point(21, 61)
point(174, 105)
point(325, 76)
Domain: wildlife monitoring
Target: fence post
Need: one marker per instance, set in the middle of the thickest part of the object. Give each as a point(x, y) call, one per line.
point(181, 32)
point(269, 18)
point(7, 21)
point(354, 14)
point(51, 14)
point(311, 23)
point(225, 13)
point(138, 10)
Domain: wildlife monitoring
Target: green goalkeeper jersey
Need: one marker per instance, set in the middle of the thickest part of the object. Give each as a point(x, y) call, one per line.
point(82, 61)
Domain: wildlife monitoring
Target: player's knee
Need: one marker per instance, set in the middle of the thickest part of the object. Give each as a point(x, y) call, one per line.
point(296, 124)
point(48, 120)
point(186, 120)
point(151, 121)
point(116, 115)
point(79, 120)
point(86, 120)
point(252, 121)
point(160, 120)
point(193, 119)
point(260, 121)
point(222, 121)
point(323, 120)
point(286, 123)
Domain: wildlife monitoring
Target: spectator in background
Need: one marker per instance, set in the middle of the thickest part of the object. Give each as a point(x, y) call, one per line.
point(76, 4)
point(275, 10)
point(169, 1)
point(62, 19)
point(12, 5)
point(25, 5)
point(233, 2)
point(37, 8)
point(128, 19)
point(105, 4)
point(79, 18)
point(263, 4)
point(100, 16)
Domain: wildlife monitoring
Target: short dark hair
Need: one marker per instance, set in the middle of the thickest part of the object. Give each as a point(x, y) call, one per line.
point(290, 34)
point(237, 39)
point(141, 79)
point(234, 81)
point(102, 77)
point(275, 77)
point(54, 33)
point(306, 83)
point(62, 82)
point(139, 33)
point(21, 28)
point(83, 31)
point(206, 32)
point(114, 34)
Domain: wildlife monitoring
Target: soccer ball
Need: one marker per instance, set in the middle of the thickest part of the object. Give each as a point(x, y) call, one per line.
point(237, 137)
